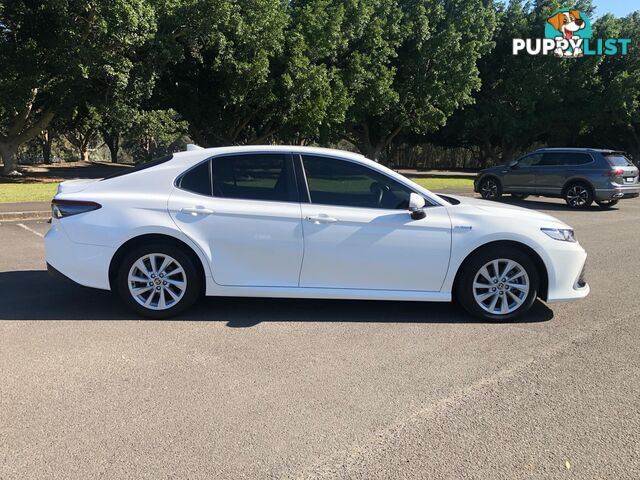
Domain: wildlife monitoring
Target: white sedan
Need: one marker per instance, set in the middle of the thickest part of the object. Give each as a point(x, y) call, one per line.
point(298, 222)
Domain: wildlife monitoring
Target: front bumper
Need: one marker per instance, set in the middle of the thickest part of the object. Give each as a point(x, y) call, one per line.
point(566, 272)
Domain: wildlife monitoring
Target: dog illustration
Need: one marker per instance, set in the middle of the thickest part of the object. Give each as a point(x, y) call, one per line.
point(567, 23)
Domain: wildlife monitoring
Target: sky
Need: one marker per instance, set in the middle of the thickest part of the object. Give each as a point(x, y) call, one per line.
point(620, 8)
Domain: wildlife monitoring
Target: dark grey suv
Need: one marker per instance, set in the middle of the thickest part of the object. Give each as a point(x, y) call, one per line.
point(579, 175)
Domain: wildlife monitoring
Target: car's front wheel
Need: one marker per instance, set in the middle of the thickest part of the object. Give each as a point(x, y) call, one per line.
point(158, 280)
point(490, 188)
point(498, 285)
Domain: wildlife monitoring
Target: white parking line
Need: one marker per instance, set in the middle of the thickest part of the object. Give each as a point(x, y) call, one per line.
point(22, 225)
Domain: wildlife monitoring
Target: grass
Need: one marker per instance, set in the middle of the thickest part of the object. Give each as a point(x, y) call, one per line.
point(43, 192)
point(445, 182)
point(27, 192)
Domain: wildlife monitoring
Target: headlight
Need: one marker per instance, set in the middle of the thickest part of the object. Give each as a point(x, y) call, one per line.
point(562, 234)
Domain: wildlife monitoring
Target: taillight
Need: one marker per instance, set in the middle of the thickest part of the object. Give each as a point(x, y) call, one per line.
point(614, 173)
point(66, 208)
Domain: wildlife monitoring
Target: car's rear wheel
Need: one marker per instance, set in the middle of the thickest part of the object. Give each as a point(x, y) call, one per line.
point(605, 204)
point(158, 281)
point(490, 188)
point(498, 286)
point(578, 196)
point(519, 196)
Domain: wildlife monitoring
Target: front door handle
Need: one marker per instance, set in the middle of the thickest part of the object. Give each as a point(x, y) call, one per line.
point(317, 219)
point(197, 211)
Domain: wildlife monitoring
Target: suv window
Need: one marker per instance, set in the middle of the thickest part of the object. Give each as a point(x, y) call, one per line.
point(530, 160)
point(197, 180)
point(338, 182)
point(262, 176)
point(618, 160)
point(565, 159)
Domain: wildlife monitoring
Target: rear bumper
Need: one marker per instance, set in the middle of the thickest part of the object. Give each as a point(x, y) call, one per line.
point(84, 264)
point(618, 192)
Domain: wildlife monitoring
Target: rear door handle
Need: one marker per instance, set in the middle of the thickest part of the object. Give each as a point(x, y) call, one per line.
point(317, 219)
point(197, 211)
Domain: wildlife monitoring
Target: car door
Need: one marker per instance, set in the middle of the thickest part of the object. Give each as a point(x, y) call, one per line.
point(246, 216)
point(556, 168)
point(358, 233)
point(520, 177)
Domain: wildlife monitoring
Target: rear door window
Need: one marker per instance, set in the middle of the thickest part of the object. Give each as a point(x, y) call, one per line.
point(261, 176)
point(565, 159)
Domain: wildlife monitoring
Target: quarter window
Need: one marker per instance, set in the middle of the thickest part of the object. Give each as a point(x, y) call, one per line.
point(197, 180)
point(338, 182)
point(253, 177)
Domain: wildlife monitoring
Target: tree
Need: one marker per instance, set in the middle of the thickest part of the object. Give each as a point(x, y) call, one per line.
point(615, 115)
point(218, 78)
point(410, 69)
point(55, 53)
point(524, 99)
point(81, 130)
point(155, 133)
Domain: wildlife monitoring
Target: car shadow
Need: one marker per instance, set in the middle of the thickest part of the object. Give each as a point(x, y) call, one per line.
point(34, 295)
point(550, 205)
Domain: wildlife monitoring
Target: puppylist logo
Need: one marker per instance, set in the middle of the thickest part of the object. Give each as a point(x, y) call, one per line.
point(568, 34)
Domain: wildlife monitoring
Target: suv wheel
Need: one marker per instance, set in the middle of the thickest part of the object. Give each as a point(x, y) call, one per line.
point(498, 286)
point(578, 195)
point(605, 204)
point(490, 189)
point(158, 281)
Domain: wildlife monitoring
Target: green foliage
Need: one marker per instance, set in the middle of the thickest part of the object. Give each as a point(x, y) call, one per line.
point(143, 73)
point(54, 54)
point(155, 133)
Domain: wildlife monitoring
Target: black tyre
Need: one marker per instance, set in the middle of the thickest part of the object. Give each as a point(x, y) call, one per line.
point(605, 204)
point(578, 195)
point(158, 280)
point(519, 196)
point(490, 188)
point(498, 284)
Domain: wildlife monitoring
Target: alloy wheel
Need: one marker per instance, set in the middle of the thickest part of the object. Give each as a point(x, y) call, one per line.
point(501, 286)
point(489, 189)
point(157, 281)
point(577, 196)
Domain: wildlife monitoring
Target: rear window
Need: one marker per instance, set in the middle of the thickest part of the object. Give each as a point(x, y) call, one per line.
point(142, 166)
point(618, 160)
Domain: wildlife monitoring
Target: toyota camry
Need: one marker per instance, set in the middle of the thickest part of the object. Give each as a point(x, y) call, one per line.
point(301, 222)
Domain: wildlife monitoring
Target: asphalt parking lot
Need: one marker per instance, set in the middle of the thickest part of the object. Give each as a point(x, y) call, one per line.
point(250, 388)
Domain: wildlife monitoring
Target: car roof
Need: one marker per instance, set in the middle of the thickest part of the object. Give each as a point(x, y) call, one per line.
point(206, 152)
point(577, 149)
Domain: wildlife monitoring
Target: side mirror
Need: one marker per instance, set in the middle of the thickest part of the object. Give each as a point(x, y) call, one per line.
point(513, 163)
point(416, 206)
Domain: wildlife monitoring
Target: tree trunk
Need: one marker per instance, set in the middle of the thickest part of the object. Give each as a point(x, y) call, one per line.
point(45, 142)
point(8, 154)
point(113, 143)
point(84, 153)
